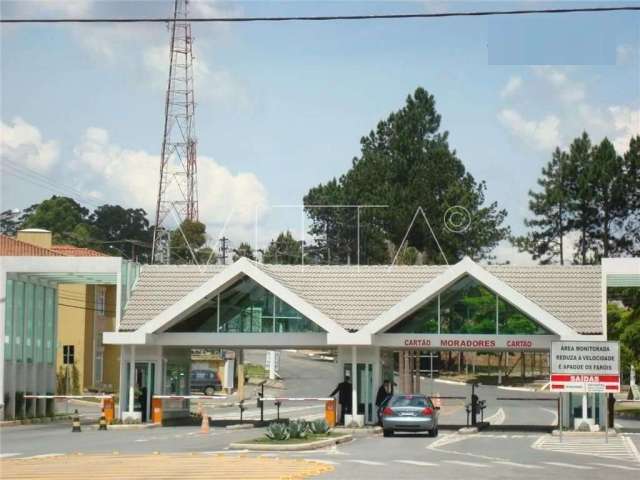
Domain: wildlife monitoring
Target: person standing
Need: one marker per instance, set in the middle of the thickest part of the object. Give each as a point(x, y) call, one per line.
point(384, 392)
point(344, 397)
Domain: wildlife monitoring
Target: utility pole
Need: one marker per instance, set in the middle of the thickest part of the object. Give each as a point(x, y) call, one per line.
point(178, 185)
point(224, 248)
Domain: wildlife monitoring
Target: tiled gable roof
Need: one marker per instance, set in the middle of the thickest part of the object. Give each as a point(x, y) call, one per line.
point(73, 251)
point(10, 247)
point(354, 296)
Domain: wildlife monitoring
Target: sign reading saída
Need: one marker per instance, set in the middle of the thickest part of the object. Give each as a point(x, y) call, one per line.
point(585, 367)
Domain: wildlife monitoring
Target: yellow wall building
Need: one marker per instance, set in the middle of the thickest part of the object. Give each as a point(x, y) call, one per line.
point(84, 313)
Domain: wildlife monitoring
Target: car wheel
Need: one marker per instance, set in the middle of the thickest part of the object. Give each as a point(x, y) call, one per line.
point(209, 391)
point(387, 433)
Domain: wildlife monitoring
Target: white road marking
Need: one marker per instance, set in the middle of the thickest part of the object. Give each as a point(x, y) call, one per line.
point(468, 464)
point(514, 464)
point(569, 465)
point(497, 418)
point(7, 455)
point(367, 462)
point(609, 465)
point(328, 462)
point(555, 415)
point(44, 455)
point(415, 462)
point(632, 447)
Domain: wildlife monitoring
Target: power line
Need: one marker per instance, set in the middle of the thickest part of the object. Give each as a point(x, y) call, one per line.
point(326, 18)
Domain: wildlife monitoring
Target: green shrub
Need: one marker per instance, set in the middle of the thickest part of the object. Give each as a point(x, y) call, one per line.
point(277, 431)
point(298, 428)
point(319, 427)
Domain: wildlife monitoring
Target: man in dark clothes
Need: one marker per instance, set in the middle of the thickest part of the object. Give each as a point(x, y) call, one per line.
point(384, 392)
point(344, 397)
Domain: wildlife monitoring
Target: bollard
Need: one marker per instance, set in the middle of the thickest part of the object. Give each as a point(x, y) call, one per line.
point(242, 408)
point(103, 422)
point(75, 422)
point(278, 403)
point(204, 427)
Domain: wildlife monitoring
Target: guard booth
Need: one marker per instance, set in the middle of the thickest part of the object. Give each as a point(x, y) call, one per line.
point(371, 315)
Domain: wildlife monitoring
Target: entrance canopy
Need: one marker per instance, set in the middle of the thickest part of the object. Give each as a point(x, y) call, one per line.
point(463, 306)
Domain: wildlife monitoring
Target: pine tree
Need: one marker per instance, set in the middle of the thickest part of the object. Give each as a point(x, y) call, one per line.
point(552, 215)
point(580, 192)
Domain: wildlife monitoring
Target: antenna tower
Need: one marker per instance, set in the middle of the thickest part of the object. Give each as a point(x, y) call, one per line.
point(178, 186)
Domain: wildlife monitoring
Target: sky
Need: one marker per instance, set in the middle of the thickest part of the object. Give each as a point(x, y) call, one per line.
point(281, 107)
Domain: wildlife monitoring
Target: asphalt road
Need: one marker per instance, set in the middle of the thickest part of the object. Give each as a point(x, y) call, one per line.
point(450, 456)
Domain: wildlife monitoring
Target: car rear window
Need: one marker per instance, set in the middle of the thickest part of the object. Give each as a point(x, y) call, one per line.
point(410, 401)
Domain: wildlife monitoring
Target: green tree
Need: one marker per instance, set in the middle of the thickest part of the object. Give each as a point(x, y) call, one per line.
point(284, 250)
point(243, 250)
point(581, 195)
point(9, 222)
point(67, 220)
point(188, 241)
point(607, 185)
point(405, 163)
point(552, 215)
point(630, 226)
point(123, 229)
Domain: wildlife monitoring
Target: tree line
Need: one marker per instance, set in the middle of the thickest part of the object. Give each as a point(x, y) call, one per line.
point(588, 203)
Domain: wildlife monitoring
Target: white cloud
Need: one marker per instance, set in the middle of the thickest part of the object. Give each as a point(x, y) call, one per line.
point(111, 45)
point(512, 86)
point(626, 123)
point(22, 143)
point(221, 191)
point(70, 8)
point(626, 54)
point(215, 85)
point(542, 135)
point(505, 252)
point(564, 87)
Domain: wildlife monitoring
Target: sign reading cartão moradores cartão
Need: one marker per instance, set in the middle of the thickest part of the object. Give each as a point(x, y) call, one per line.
point(585, 367)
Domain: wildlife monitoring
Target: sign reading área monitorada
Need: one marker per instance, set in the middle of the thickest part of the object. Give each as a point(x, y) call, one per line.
point(585, 367)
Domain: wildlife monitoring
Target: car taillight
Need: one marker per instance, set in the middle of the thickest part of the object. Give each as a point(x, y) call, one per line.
point(427, 411)
point(387, 411)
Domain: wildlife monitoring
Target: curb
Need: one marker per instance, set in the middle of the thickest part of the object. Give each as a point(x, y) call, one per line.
point(359, 432)
point(240, 426)
point(449, 382)
point(518, 389)
point(572, 433)
point(34, 421)
point(295, 447)
point(124, 426)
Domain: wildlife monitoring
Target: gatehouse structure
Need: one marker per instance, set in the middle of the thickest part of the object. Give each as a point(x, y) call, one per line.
point(365, 312)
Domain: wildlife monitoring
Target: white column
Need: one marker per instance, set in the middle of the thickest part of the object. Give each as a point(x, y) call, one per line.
point(354, 382)
point(584, 406)
point(132, 373)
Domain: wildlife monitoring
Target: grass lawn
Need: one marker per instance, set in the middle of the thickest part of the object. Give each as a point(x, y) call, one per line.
point(293, 441)
point(254, 370)
point(628, 410)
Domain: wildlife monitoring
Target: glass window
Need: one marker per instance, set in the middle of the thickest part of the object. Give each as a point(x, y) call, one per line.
point(423, 320)
point(49, 325)
point(29, 322)
point(39, 323)
point(205, 320)
point(248, 307)
point(243, 306)
point(101, 300)
point(18, 319)
point(512, 321)
point(8, 324)
point(68, 354)
point(468, 307)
